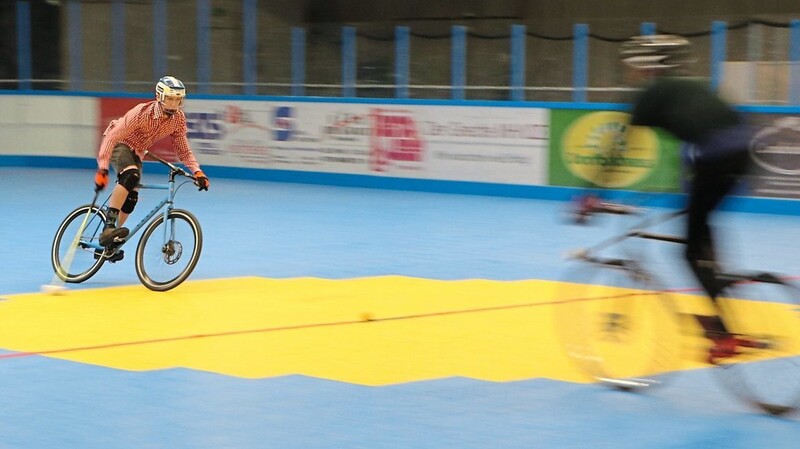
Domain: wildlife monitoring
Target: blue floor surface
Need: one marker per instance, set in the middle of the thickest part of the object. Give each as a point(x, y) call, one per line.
point(287, 230)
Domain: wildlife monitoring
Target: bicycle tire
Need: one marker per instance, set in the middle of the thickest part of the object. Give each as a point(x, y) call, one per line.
point(765, 308)
point(157, 260)
point(85, 260)
point(616, 325)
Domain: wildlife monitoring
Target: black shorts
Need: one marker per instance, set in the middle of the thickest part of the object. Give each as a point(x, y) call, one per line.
point(122, 156)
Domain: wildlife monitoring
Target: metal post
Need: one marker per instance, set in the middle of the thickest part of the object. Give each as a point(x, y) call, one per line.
point(348, 62)
point(118, 44)
point(580, 51)
point(298, 61)
point(75, 45)
point(24, 65)
point(518, 62)
point(718, 52)
point(458, 62)
point(249, 15)
point(159, 38)
point(402, 52)
point(203, 46)
point(794, 62)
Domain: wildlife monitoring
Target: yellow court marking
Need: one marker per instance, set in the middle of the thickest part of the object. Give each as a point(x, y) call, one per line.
point(255, 328)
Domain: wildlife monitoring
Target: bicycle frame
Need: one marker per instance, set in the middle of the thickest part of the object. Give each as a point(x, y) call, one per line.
point(638, 230)
point(168, 201)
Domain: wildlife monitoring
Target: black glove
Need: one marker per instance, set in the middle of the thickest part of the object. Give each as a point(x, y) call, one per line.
point(201, 180)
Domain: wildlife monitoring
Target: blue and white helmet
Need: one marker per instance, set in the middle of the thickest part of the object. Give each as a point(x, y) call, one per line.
point(170, 87)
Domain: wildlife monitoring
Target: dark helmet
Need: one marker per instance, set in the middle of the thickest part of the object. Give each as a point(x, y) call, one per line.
point(657, 51)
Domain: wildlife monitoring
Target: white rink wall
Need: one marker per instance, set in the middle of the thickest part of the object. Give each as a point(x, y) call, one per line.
point(502, 145)
point(487, 148)
point(48, 125)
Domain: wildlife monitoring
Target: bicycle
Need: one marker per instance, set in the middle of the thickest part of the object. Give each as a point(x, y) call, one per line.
point(168, 249)
point(619, 325)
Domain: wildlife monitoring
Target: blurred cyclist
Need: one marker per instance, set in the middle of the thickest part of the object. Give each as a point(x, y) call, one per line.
point(719, 137)
point(123, 146)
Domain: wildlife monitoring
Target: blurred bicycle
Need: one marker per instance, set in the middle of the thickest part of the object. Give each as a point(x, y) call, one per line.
point(624, 329)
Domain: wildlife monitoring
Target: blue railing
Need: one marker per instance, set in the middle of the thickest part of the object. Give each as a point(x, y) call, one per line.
point(579, 85)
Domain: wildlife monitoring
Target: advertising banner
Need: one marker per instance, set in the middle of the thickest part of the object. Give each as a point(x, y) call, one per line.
point(775, 151)
point(482, 144)
point(595, 149)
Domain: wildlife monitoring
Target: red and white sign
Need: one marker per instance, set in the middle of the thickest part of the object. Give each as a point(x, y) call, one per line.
point(112, 108)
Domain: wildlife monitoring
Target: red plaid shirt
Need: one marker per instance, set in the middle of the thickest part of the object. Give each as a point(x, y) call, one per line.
point(143, 126)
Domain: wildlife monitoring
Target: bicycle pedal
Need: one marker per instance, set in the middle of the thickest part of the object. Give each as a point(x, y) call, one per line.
point(767, 278)
point(615, 208)
point(754, 343)
point(116, 257)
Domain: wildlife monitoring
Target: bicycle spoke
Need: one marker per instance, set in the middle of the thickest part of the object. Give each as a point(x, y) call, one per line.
point(615, 327)
point(82, 262)
point(168, 251)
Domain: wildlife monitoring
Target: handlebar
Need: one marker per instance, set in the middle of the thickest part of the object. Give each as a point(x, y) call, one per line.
point(173, 168)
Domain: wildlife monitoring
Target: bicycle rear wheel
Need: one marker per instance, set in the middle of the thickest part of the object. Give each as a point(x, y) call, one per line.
point(616, 325)
point(766, 309)
point(81, 263)
point(169, 251)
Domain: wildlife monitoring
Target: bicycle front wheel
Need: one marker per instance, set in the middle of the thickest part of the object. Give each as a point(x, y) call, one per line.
point(74, 254)
point(169, 250)
point(617, 325)
point(765, 310)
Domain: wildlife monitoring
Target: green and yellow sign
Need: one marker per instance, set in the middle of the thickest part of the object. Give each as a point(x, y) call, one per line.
point(600, 149)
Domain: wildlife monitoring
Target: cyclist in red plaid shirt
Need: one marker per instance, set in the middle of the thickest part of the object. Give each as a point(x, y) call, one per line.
point(124, 143)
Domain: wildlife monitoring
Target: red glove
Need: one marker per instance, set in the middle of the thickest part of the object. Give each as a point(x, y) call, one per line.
point(201, 180)
point(100, 179)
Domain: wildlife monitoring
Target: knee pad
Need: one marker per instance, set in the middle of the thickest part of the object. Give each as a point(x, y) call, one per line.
point(130, 202)
point(129, 179)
